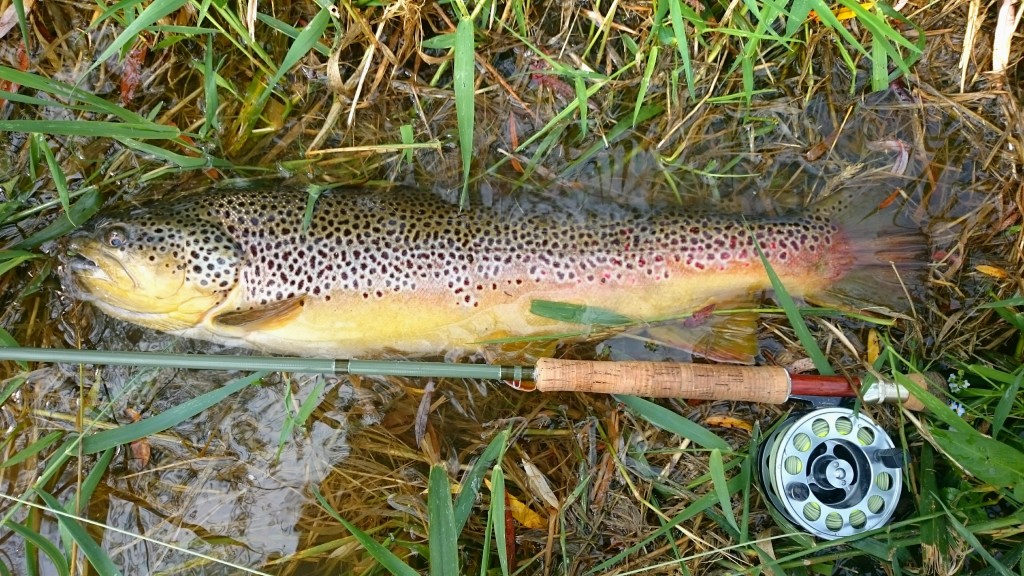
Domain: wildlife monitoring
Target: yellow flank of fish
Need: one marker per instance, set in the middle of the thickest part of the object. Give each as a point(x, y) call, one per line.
point(406, 272)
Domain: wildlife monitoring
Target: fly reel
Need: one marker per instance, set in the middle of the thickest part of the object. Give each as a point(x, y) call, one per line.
point(831, 472)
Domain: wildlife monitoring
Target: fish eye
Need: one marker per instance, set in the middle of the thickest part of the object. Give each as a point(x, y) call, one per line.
point(116, 236)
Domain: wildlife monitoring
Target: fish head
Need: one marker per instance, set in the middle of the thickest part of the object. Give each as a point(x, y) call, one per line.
point(162, 268)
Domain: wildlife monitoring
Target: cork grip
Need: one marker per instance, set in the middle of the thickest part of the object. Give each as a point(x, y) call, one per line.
point(930, 381)
point(664, 380)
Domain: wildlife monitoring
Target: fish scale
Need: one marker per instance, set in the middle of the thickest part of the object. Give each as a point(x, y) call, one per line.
point(408, 272)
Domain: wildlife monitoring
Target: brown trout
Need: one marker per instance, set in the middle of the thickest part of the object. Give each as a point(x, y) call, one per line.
point(408, 273)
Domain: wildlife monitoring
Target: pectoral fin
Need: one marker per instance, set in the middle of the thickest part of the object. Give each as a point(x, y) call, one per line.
point(268, 317)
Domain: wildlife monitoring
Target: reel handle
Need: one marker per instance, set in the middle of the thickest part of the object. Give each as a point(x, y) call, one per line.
point(768, 384)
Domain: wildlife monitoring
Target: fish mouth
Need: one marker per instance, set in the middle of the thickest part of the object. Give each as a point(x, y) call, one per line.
point(76, 263)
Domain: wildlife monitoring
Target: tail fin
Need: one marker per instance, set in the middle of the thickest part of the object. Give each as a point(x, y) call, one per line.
point(890, 257)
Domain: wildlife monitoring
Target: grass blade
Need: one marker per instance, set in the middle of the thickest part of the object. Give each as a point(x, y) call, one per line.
point(645, 82)
point(92, 128)
point(1005, 404)
point(474, 478)
point(581, 103)
point(66, 92)
point(149, 426)
point(60, 181)
point(577, 313)
point(212, 124)
point(807, 340)
point(43, 543)
point(679, 30)
point(441, 534)
point(698, 506)
point(93, 479)
point(976, 544)
point(149, 16)
point(721, 485)
point(93, 551)
point(498, 516)
point(386, 558)
point(674, 423)
point(83, 209)
point(934, 529)
point(304, 42)
point(32, 449)
point(9, 260)
point(465, 97)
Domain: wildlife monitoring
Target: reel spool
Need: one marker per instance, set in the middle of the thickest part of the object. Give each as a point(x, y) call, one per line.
point(831, 472)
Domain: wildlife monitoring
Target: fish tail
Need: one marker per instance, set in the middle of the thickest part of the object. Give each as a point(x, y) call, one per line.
point(888, 259)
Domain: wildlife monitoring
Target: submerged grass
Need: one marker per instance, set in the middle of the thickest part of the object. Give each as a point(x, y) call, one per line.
point(718, 104)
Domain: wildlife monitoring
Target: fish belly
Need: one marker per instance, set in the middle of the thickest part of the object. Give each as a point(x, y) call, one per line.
point(428, 321)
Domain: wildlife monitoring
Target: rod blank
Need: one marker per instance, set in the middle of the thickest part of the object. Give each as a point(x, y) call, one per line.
point(769, 384)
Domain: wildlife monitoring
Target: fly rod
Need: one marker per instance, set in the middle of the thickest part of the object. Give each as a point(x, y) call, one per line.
point(768, 384)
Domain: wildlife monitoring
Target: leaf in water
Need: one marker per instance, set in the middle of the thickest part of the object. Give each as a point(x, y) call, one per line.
point(728, 422)
point(671, 422)
point(578, 313)
point(143, 428)
point(92, 481)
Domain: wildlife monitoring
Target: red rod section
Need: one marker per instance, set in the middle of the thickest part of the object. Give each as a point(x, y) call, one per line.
point(815, 385)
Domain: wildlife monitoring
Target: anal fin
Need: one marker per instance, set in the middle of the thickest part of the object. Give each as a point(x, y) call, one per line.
point(730, 338)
